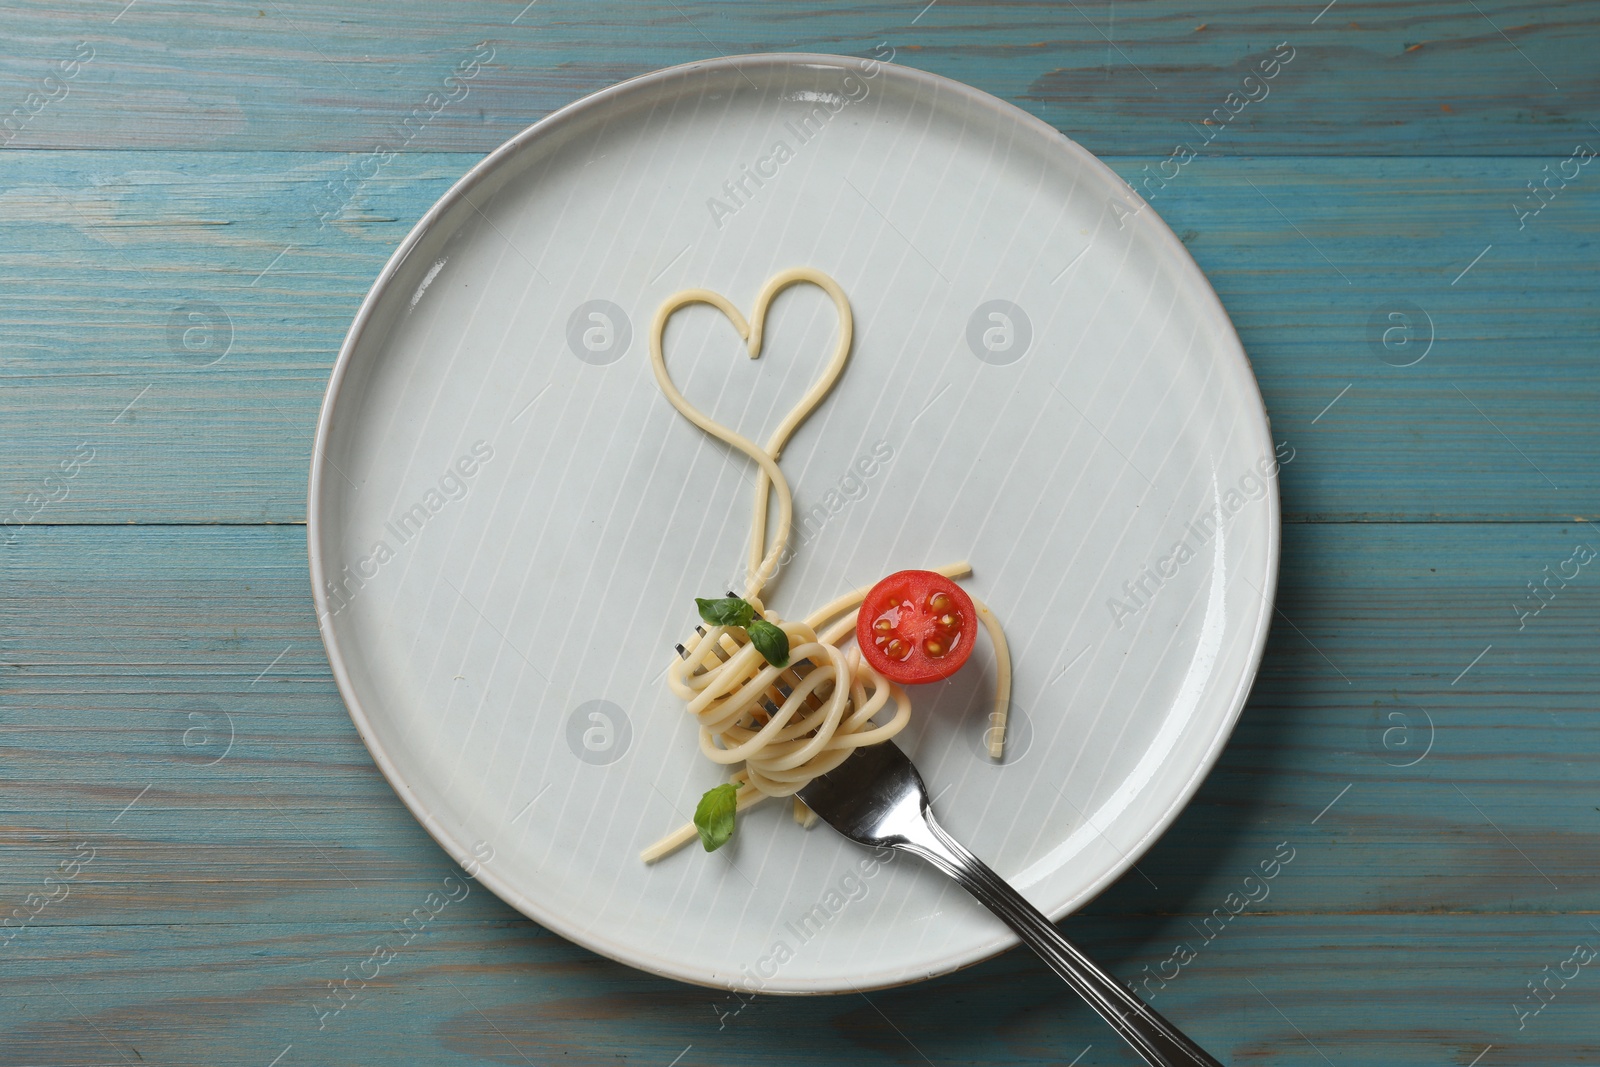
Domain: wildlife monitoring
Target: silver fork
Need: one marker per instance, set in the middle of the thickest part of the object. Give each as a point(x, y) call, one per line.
point(876, 797)
point(783, 687)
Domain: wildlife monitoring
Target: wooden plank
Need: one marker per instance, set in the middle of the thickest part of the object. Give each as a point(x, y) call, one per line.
point(1273, 989)
point(1497, 78)
point(1422, 735)
point(1413, 767)
point(104, 251)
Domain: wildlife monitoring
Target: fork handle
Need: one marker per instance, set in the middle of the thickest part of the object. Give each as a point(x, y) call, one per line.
point(1153, 1037)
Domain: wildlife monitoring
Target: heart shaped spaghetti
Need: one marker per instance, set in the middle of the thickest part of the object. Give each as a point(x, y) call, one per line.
point(787, 724)
point(762, 563)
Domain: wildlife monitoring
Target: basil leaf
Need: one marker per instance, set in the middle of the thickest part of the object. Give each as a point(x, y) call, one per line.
point(713, 816)
point(726, 611)
point(770, 641)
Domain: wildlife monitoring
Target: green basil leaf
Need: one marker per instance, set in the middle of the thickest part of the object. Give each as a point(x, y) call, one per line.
point(770, 641)
point(713, 816)
point(726, 611)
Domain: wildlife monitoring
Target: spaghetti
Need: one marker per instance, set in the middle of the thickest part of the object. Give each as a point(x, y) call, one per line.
point(788, 724)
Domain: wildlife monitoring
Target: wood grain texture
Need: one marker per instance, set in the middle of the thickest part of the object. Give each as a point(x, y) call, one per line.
point(267, 853)
point(105, 250)
point(1420, 737)
point(1417, 992)
point(1504, 78)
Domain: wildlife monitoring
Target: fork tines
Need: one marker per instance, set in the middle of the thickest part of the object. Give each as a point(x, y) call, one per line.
point(784, 689)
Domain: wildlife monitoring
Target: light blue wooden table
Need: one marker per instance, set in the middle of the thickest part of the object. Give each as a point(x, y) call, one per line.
point(199, 844)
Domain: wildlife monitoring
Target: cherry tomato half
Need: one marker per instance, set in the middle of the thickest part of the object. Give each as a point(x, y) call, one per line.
point(916, 627)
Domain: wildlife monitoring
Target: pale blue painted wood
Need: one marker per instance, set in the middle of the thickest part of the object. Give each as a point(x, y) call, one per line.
point(246, 877)
point(1404, 992)
point(1421, 899)
point(104, 661)
point(1366, 77)
point(102, 249)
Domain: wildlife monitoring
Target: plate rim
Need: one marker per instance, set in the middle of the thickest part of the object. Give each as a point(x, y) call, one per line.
point(1252, 400)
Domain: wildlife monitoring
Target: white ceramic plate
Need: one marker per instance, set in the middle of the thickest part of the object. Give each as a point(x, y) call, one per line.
point(1042, 383)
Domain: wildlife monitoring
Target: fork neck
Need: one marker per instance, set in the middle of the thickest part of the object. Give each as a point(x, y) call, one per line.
point(911, 827)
